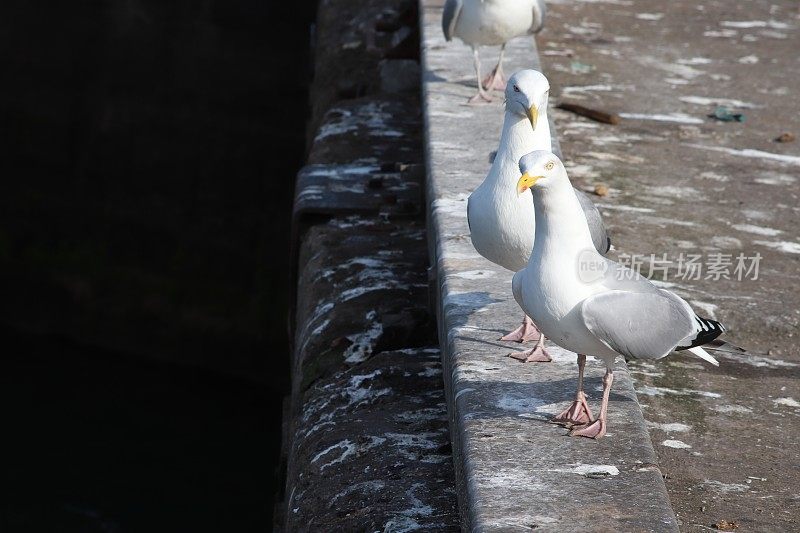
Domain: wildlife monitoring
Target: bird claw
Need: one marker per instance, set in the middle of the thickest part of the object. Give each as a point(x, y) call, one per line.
point(494, 81)
point(480, 99)
point(577, 414)
point(524, 333)
point(595, 430)
point(537, 354)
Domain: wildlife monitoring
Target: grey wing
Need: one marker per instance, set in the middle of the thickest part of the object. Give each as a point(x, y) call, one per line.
point(600, 239)
point(468, 224)
point(539, 14)
point(644, 325)
point(704, 330)
point(452, 9)
point(608, 275)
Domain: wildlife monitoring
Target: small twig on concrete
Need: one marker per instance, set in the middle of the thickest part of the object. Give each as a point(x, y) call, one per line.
point(705, 527)
point(594, 114)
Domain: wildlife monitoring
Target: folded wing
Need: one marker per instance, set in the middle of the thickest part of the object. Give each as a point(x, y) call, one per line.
point(646, 325)
point(539, 14)
point(452, 10)
point(600, 239)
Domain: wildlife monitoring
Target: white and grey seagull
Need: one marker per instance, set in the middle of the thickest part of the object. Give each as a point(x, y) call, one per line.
point(491, 23)
point(501, 221)
point(589, 304)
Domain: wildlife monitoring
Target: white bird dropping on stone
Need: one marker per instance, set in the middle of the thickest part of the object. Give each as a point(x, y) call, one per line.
point(589, 304)
point(501, 221)
point(491, 23)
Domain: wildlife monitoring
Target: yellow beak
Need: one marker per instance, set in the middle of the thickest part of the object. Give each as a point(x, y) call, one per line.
point(525, 182)
point(533, 116)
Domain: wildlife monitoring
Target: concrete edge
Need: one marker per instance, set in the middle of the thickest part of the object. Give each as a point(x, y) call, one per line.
point(513, 470)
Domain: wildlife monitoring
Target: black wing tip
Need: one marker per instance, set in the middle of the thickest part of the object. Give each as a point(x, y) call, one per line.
point(608, 244)
point(709, 330)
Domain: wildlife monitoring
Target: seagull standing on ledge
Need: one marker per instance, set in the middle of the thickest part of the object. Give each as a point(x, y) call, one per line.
point(501, 221)
point(589, 304)
point(491, 23)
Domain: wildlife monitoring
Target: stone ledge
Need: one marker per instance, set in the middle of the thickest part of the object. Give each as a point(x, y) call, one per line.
point(372, 451)
point(515, 471)
point(366, 446)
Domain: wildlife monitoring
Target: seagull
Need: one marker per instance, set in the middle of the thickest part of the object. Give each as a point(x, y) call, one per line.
point(589, 304)
point(491, 23)
point(501, 222)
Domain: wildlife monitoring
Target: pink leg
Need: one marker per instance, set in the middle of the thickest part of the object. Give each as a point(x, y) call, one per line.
point(578, 413)
point(537, 354)
point(482, 97)
point(526, 332)
point(496, 80)
point(597, 429)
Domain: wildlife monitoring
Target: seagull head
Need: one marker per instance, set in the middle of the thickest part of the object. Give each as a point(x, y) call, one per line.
point(539, 167)
point(526, 94)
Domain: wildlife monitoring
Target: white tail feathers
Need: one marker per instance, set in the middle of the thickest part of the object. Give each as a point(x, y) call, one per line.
point(702, 354)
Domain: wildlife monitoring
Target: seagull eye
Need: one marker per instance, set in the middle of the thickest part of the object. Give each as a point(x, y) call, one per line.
point(516, 89)
point(549, 165)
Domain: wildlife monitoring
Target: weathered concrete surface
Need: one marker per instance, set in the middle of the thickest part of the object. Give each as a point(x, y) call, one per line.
point(368, 444)
point(672, 191)
point(515, 470)
point(374, 448)
point(363, 289)
point(369, 440)
point(365, 159)
point(352, 39)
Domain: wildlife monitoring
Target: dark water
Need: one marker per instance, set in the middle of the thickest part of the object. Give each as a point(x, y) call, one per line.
point(100, 441)
point(146, 178)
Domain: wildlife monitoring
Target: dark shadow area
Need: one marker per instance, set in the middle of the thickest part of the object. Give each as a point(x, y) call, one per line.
point(148, 164)
point(102, 441)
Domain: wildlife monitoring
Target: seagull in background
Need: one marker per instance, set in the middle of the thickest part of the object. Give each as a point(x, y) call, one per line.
point(589, 304)
point(491, 23)
point(501, 222)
